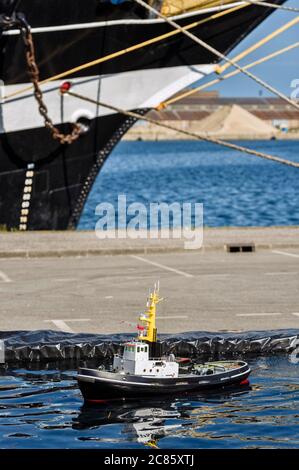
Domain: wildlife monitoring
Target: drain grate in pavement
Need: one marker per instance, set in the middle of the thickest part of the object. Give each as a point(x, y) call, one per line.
point(240, 248)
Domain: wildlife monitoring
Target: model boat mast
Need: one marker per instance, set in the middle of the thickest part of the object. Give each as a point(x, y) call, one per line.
point(149, 331)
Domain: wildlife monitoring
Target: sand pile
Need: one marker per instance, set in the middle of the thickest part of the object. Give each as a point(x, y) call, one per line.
point(235, 122)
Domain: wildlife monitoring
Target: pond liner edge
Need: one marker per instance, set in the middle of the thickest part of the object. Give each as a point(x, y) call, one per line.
point(48, 345)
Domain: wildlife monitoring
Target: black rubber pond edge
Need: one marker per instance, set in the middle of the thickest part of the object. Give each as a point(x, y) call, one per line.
point(47, 345)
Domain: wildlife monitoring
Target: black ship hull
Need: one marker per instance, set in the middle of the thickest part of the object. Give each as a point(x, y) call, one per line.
point(97, 386)
point(61, 176)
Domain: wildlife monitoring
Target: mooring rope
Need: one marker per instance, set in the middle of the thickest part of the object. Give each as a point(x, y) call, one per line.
point(219, 54)
point(194, 135)
point(192, 91)
point(272, 5)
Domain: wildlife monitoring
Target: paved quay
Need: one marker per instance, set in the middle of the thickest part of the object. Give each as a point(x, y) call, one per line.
point(85, 243)
point(209, 289)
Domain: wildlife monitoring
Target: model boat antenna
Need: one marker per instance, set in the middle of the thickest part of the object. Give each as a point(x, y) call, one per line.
point(148, 319)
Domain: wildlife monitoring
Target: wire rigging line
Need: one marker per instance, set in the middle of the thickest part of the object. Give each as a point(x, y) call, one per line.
point(274, 34)
point(124, 51)
point(214, 51)
point(191, 91)
point(272, 5)
point(194, 135)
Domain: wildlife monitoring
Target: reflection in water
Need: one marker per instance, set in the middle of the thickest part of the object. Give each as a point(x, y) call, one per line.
point(148, 422)
point(44, 408)
point(145, 424)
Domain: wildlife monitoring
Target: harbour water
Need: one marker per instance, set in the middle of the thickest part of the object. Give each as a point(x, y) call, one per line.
point(44, 409)
point(236, 189)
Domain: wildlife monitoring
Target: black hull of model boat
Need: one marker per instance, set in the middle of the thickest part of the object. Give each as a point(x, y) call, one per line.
point(64, 175)
point(96, 386)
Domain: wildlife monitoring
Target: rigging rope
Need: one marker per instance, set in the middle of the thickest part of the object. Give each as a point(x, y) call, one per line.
point(191, 91)
point(272, 5)
point(124, 51)
point(262, 42)
point(178, 29)
point(214, 51)
point(202, 137)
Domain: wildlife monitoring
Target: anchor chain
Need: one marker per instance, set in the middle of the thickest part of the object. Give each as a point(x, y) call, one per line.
point(18, 21)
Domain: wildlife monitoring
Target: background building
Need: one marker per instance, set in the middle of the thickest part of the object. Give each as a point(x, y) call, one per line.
point(190, 111)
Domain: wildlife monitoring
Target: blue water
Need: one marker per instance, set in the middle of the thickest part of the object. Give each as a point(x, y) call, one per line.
point(44, 409)
point(236, 189)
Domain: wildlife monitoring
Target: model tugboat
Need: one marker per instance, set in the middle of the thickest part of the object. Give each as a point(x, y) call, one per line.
point(142, 370)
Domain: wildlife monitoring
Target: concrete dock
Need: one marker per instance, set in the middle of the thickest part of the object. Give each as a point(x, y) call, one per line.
point(85, 243)
point(57, 281)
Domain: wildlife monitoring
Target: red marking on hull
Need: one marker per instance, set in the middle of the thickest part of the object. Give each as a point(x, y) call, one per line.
point(244, 382)
point(103, 400)
point(97, 401)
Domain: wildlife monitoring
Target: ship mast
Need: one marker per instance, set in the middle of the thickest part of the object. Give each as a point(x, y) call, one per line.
point(149, 317)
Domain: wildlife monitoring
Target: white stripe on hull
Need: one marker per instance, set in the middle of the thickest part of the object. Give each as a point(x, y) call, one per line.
point(128, 90)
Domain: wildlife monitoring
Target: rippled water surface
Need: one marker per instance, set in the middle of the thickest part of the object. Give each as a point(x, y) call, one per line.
point(44, 409)
point(236, 189)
